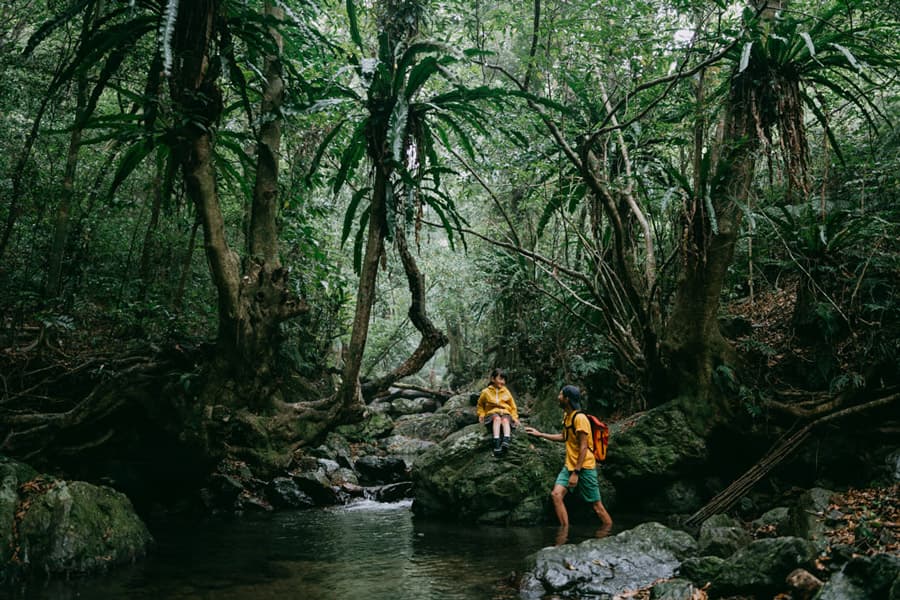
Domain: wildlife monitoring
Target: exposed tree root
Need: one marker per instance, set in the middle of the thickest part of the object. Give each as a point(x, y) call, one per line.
point(53, 404)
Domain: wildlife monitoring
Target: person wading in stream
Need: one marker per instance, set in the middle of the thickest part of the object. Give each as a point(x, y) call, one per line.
point(496, 408)
point(580, 471)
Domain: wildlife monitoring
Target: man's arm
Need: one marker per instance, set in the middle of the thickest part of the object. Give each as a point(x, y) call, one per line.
point(555, 437)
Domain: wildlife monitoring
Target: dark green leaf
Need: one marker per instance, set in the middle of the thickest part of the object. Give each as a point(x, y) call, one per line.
point(354, 25)
point(350, 215)
point(360, 238)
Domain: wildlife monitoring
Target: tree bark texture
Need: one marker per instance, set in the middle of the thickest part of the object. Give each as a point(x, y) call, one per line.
point(349, 395)
point(694, 345)
point(263, 216)
point(252, 303)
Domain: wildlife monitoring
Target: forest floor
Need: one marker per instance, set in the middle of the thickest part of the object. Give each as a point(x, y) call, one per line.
point(860, 522)
point(866, 520)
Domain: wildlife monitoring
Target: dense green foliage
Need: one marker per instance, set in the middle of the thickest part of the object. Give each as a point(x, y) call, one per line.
point(510, 154)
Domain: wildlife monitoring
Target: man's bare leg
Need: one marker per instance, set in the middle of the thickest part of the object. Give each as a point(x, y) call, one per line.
point(558, 495)
point(601, 512)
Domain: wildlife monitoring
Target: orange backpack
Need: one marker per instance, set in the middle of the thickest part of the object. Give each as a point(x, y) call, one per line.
point(599, 439)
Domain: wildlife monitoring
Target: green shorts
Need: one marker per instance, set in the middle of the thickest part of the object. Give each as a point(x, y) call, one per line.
point(587, 486)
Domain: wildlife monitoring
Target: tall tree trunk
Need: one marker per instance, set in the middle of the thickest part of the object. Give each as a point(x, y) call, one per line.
point(349, 396)
point(264, 213)
point(253, 303)
point(196, 93)
point(64, 210)
point(694, 345)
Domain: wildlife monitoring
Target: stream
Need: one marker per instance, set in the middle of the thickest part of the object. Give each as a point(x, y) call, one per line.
point(366, 550)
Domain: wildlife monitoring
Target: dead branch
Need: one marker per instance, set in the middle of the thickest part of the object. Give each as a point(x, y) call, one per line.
point(446, 394)
point(781, 450)
point(820, 408)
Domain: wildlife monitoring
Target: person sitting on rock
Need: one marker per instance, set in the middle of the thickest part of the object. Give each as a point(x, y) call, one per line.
point(497, 409)
point(579, 472)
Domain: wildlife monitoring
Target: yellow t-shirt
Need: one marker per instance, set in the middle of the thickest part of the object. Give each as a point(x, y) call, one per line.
point(497, 401)
point(573, 448)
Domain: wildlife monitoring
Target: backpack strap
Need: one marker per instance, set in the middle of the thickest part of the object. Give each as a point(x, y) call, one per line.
point(572, 427)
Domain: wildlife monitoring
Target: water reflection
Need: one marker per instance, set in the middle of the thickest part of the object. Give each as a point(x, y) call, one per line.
point(368, 550)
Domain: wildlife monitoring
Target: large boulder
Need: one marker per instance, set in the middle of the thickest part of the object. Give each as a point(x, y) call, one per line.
point(808, 516)
point(760, 568)
point(377, 424)
point(608, 566)
point(64, 528)
point(460, 479)
point(381, 469)
point(413, 406)
point(775, 522)
point(12, 474)
point(404, 446)
point(461, 409)
point(864, 578)
point(433, 428)
point(721, 535)
point(658, 446)
point(283, 492)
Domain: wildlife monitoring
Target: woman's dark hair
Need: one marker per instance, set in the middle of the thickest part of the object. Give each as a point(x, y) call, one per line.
point(497, 372)
point(573, 395)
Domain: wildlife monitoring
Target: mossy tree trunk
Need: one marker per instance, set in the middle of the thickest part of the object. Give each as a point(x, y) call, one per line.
point(255, 299)
point(693, 346)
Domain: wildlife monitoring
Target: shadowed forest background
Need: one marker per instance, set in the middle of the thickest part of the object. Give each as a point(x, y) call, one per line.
point(276, 211)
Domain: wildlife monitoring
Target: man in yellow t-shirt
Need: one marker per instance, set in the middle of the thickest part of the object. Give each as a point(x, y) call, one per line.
point(579, 472)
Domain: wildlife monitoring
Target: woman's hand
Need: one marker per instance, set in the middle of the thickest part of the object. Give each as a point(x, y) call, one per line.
point(532, 431)
point(481, 420)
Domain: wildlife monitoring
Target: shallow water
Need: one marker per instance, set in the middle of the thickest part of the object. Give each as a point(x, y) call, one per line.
point(368, 551)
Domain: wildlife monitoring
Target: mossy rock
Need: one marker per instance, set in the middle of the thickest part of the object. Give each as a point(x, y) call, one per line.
point(460, 479)
point(760, 568)
point(65, 528)
point(12, 475)
point(374, 426)
point(657, 446)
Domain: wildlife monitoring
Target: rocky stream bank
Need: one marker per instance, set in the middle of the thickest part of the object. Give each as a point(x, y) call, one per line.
point(811, 544)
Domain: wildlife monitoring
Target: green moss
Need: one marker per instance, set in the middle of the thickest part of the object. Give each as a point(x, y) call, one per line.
point(660, 442)
point(67, 527)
